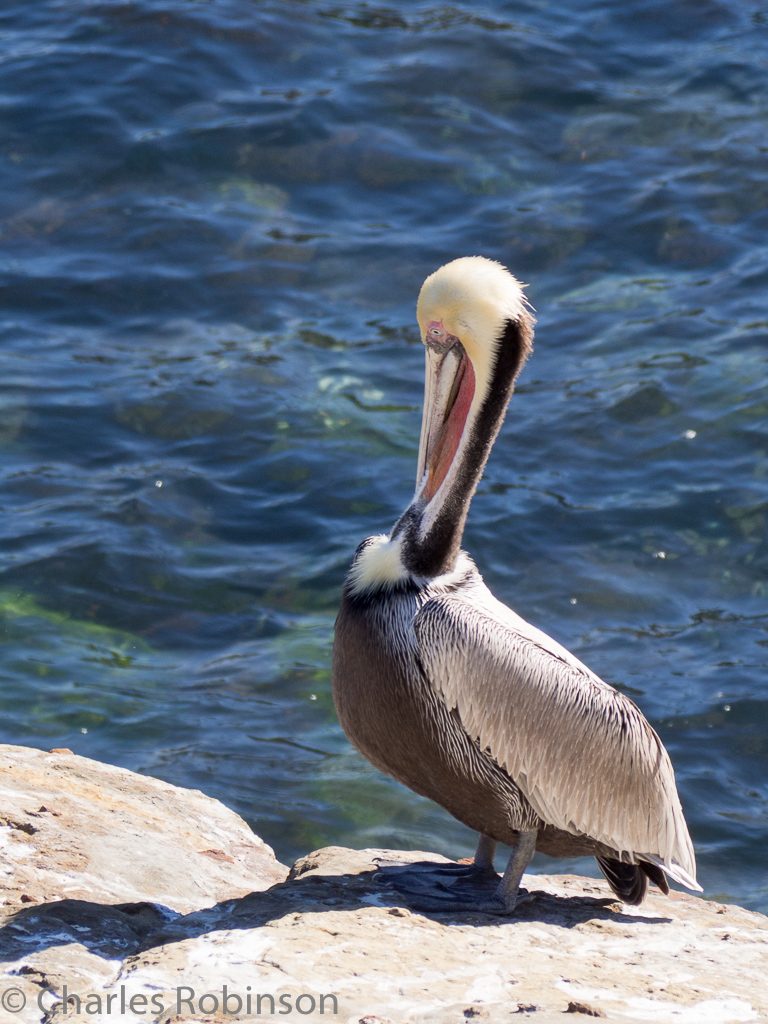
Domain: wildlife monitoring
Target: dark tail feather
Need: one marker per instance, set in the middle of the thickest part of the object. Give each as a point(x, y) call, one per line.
point(628, 881)
point(656, 875)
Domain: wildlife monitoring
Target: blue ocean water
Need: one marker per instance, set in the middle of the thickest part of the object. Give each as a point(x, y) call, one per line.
point(216, 216)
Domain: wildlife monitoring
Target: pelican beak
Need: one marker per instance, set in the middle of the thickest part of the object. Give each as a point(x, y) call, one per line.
point(449, 388)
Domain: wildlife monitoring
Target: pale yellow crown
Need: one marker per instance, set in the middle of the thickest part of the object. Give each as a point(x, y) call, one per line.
point(473, 297)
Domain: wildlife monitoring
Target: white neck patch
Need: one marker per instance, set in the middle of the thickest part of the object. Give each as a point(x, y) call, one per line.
point(379, 565)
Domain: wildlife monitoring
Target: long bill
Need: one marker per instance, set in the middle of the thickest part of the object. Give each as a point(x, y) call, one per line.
point(464, 406)
point(449, 389)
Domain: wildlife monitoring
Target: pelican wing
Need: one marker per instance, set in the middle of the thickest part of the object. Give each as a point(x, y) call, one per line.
point(580, 751)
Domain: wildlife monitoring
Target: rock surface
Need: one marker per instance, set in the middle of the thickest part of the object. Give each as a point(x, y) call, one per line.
point(146, 901)
point(72, 828)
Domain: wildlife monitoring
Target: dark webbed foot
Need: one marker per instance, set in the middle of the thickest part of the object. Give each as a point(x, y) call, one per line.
point(474, 887)
point(415, 874)
point(433, 886)
point(418, 870)
point(443, 900)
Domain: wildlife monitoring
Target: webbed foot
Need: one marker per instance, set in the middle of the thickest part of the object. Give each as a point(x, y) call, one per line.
point(471, 887)
point(441, 871)
point(459, 894)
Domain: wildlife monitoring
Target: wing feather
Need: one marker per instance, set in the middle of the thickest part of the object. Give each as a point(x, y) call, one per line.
point(581, 752)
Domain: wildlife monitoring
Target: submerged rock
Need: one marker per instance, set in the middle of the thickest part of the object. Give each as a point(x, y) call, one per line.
point(153, 903)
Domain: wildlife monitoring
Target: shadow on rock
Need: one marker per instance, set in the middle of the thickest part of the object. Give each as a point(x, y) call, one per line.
point(119, 930)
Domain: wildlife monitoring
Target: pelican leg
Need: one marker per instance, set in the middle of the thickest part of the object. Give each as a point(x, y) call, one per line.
point(521, 856)
point(485, 854)
point(471, 889)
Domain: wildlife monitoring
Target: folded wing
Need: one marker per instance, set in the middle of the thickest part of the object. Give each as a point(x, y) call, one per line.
point(581, 752)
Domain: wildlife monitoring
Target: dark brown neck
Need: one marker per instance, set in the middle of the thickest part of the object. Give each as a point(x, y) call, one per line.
point(434, 551)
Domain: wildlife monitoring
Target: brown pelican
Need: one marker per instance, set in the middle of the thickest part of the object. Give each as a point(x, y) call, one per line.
point(444, 688)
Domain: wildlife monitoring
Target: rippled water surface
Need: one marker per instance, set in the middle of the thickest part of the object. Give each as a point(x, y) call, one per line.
point(216, 217)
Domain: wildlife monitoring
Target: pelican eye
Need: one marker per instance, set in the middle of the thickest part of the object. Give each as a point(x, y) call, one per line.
point(438, 339)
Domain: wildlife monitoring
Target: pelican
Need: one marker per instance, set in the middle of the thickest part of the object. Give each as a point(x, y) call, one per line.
point(444, 688)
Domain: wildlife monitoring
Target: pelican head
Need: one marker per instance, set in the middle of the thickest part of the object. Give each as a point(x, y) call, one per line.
point(464, 312)
point(477, 331)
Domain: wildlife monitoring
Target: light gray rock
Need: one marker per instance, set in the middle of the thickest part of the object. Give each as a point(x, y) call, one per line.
point(72, 828)
point(332, 929)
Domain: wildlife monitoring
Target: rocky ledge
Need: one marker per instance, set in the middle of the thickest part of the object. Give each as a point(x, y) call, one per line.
point(141, 902)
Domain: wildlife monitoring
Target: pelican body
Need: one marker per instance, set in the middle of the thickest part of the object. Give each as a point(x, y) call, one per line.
point(447, 690)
